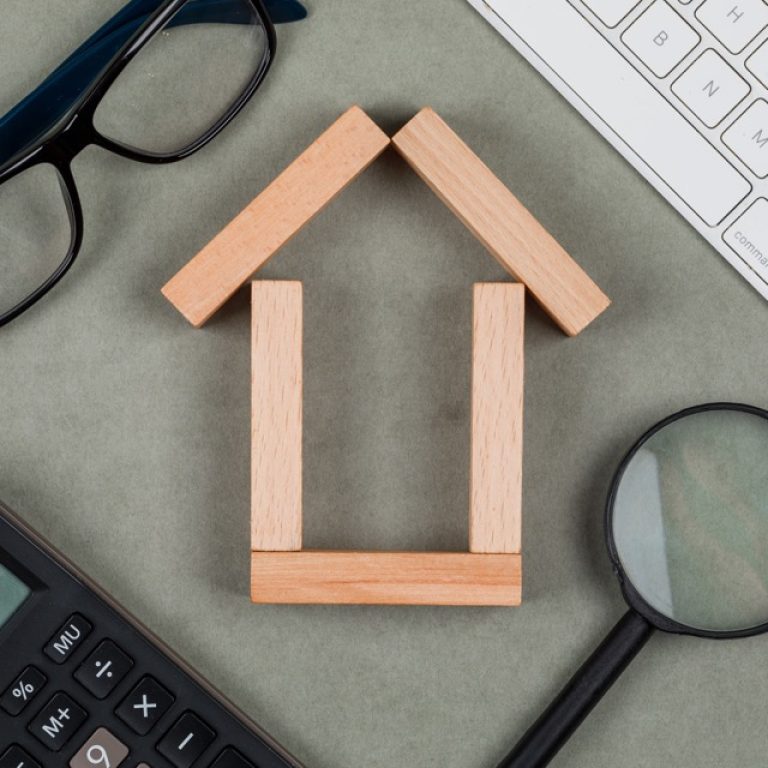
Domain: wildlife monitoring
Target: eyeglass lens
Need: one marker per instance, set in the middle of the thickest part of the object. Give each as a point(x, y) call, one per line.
point(690, 520)
point(186, 78)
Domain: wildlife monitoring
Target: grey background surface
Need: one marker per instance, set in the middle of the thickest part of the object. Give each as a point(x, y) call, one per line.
point(125, 432)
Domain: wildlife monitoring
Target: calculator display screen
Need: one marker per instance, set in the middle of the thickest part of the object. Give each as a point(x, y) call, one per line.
point(13, 593)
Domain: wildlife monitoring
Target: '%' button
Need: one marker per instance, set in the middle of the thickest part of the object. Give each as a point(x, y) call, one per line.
point(22, 690)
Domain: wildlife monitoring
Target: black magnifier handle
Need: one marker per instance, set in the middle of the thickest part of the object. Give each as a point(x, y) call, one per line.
point(545, 737)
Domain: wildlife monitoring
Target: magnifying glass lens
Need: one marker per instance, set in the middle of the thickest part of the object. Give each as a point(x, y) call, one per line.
point(690, 520)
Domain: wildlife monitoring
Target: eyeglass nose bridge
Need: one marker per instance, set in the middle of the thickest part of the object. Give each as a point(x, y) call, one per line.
point(73, 138)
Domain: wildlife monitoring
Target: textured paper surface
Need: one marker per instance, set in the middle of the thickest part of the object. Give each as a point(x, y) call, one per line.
point(125, 433)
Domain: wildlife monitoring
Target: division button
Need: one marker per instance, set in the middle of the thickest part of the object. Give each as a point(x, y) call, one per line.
point(143, 707)
point(104, 669)
point(16, 757)
point(58, 722)
point(102, 750)
point(68, 639)
point(22, 690)
point(186, 741)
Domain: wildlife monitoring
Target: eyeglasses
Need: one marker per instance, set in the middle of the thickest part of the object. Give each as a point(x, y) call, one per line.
point(156, 83)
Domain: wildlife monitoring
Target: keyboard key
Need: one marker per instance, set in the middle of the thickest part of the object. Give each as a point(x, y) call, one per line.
point(664, 145)
point(104, 669)
point(710, 88)
point(611, 12)
point(144, 706)
point(231, 758)
point(757, 64)
point(735, 23)
point(22, 690)
point(102, 750)
point(68, 639)
point(16, 757)
point(748, 237)
point(186, 741)
point(660, 38)
point(748, 138)
point(58, 722)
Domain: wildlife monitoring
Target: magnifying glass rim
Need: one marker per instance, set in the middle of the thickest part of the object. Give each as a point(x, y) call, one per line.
point(631, 595)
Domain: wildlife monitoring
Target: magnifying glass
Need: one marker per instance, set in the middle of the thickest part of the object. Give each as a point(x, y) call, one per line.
point(686, 525)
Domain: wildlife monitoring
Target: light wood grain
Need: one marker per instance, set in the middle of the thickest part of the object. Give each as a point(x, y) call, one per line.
point(498, 219)
point(307, 185)
point(496, 473)
point(386, 578)
point(276, 427)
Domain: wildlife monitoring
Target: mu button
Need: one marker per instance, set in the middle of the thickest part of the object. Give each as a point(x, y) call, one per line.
point(143, 707)
point(68, 639)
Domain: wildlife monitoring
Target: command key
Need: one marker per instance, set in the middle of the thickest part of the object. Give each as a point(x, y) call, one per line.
point(748, 237)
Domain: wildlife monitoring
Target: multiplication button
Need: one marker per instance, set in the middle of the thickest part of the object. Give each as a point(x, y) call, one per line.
point(22, 690)
point(186, 741)
point(58, 722)
point(143, 707)
point(104, 669)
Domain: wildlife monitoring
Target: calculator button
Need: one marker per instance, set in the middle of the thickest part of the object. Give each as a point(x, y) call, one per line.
point(230, 758)
point(22, 690)
point(16, 757)
point(748, 137)
point(102, 750)
point(735, 23)
point(143, 707)
point(710, 88)
point(104, 669)
point(660, 38)
point(68, 639)
point(186, 741)
point(58, 722)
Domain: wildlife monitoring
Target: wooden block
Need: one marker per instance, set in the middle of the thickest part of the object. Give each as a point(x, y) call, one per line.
point(276, 427)
point(496, 472)
point(498, 219)
point(385, 578)
point(307, 185)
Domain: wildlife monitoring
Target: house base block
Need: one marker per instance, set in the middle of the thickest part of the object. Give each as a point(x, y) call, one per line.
point(386, 578)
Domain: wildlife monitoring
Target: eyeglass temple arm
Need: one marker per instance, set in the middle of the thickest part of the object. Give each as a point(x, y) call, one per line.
point(53, 98)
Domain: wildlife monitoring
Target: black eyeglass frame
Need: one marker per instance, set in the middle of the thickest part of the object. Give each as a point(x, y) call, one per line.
point(64, 142)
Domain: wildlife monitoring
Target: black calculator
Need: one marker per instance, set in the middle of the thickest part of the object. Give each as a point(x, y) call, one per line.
point(84, 685)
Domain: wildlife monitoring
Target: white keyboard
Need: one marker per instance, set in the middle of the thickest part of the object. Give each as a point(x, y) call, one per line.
point(680, 88)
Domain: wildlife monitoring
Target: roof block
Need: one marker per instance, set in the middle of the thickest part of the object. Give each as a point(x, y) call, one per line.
point(500, 221)
point(301, 191)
